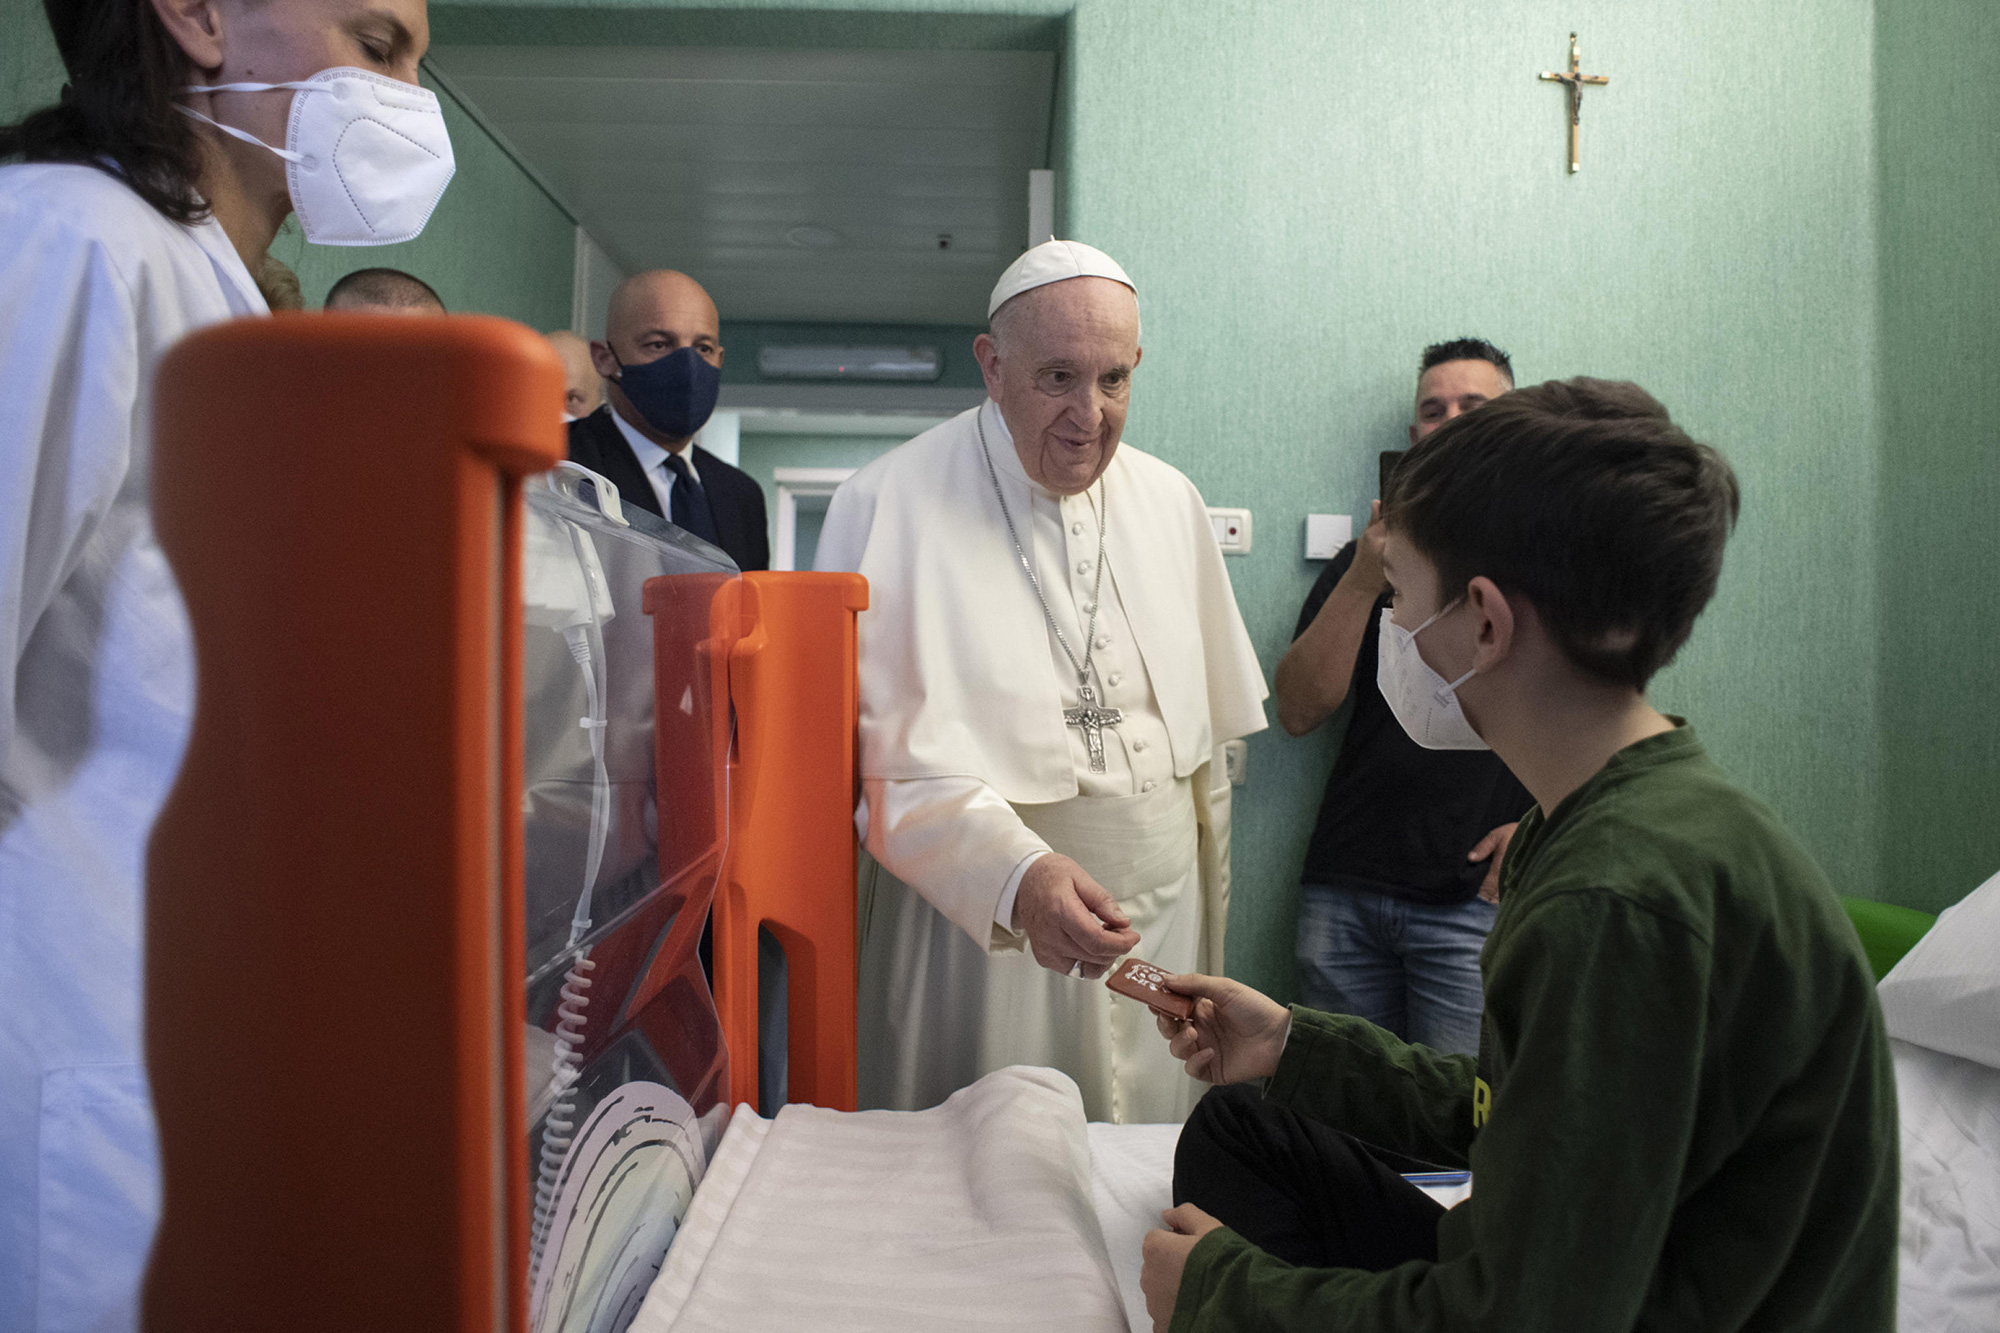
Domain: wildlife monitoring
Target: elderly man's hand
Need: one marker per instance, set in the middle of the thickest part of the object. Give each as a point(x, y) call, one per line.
point(1166, 1254)
point(1235, 1034)
point(1070, 918)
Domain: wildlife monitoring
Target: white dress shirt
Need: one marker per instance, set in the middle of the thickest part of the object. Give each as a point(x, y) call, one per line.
point(654, 460)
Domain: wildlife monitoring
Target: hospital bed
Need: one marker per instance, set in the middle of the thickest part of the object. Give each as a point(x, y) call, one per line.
point(358, 925)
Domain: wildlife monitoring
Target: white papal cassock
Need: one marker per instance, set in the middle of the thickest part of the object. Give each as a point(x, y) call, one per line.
point(970, 773)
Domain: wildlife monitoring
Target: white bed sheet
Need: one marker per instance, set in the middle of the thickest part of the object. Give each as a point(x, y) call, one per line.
point(1950, 1262)
point(974, 1215)
point(900, 1220)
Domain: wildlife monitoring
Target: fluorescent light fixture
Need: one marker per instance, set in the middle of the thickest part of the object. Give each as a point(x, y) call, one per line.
point(849, 363)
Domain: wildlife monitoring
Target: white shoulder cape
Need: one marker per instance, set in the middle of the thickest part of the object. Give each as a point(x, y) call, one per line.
point(956, 675)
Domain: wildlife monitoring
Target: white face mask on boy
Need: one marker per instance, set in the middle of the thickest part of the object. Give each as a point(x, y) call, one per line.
point(1422, 700)
point(367, 156)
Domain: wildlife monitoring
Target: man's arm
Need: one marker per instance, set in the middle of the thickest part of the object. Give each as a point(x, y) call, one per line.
point(957, 842)
point(1317, 671)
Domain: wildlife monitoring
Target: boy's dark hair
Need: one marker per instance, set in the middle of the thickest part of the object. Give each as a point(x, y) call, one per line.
point(117, 112)
point(1466, 349)
point(1585, 498)
point(383, 286)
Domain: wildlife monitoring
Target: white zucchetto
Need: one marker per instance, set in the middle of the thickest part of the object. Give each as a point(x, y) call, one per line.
point(1054, 261)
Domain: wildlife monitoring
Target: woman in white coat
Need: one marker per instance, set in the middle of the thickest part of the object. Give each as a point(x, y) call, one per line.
point(136, 210)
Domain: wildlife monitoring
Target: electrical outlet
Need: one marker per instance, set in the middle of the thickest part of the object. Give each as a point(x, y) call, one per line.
point(1236, 761)
point(1232, 530)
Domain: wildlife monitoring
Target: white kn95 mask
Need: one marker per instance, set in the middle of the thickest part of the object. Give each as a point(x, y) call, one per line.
point(1422, 700)
point(367, 156)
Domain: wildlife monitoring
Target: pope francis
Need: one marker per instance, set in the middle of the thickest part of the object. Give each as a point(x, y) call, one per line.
point(1051, 658)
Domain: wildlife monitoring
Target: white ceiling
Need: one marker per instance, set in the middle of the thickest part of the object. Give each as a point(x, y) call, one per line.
point(711, 160)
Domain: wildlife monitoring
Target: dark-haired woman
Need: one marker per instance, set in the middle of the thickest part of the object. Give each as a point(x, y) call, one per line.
point(137, 209)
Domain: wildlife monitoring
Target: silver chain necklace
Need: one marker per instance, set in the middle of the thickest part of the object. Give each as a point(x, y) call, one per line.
point(1089, 716)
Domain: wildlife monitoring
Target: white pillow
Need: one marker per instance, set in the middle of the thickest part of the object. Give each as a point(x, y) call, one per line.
point(1945, 993)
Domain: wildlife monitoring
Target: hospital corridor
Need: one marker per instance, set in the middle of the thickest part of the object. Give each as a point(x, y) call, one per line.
point(1067, 665)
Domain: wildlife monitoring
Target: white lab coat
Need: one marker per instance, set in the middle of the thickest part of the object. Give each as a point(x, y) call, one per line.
point(96, 689)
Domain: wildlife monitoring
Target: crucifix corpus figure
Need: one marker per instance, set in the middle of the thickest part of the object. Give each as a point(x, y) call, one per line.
point(1573, 84)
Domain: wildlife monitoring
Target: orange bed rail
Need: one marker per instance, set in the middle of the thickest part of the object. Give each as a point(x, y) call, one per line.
point(334, 1000)
point(790, 866)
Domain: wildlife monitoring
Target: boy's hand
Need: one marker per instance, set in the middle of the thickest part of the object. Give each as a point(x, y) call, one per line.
point(1493, 850)
point(1166, 1255)
point(1236, 1033)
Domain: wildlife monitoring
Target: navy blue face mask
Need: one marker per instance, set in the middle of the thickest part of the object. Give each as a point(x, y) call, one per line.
point(675, 394)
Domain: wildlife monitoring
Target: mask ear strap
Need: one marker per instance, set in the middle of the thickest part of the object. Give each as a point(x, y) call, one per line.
point(244, 135)
point(244, 87)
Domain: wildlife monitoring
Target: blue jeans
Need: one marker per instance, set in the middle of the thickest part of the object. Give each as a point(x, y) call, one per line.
point(1404, 966)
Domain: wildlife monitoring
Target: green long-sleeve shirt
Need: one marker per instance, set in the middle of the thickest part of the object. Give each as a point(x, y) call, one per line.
point(1682, 1115)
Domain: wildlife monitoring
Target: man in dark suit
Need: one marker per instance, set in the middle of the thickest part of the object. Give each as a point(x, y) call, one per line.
point(661, 359)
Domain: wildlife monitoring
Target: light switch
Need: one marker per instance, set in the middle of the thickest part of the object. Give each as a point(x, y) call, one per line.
point(1232, 530)
point(1326, 534)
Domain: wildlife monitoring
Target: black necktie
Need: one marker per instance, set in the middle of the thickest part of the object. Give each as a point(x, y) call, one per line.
point(690, 502)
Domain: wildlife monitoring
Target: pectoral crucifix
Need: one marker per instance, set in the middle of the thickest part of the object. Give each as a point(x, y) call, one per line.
point(1573, 83)
point(1092, 718)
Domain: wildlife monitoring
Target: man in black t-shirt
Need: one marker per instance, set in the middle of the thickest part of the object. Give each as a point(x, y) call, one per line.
point(1403, 871)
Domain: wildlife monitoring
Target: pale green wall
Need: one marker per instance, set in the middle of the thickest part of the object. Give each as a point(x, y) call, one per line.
point(496, 245)
point(31, 72)
point(1308, 193)
point(1938, 87)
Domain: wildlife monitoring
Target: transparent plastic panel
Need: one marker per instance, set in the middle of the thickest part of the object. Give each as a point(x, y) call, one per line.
point(626, 812)
point(595, 852)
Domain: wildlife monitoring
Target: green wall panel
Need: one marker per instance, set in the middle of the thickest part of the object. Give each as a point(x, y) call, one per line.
point(1306, 194)
point(31, 73)
point(1938, 82)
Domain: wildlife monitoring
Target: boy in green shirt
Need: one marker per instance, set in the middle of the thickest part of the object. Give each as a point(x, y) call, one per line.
point(1682, 1114)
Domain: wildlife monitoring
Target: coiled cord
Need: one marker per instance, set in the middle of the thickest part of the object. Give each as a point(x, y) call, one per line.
point(559, 1125)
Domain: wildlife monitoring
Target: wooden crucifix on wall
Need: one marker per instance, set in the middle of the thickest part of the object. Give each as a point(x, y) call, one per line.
point(1573, 84)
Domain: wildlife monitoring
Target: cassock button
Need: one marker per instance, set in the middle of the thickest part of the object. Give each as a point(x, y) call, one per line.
point(1148, 785)
point(1117, 678)
point(1139, 747)
point(1104, 641)
point(1076, 528)
point(1083, 567)
point(1088, 607)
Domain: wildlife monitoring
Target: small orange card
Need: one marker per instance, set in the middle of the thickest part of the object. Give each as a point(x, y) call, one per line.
point(1148, 985)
